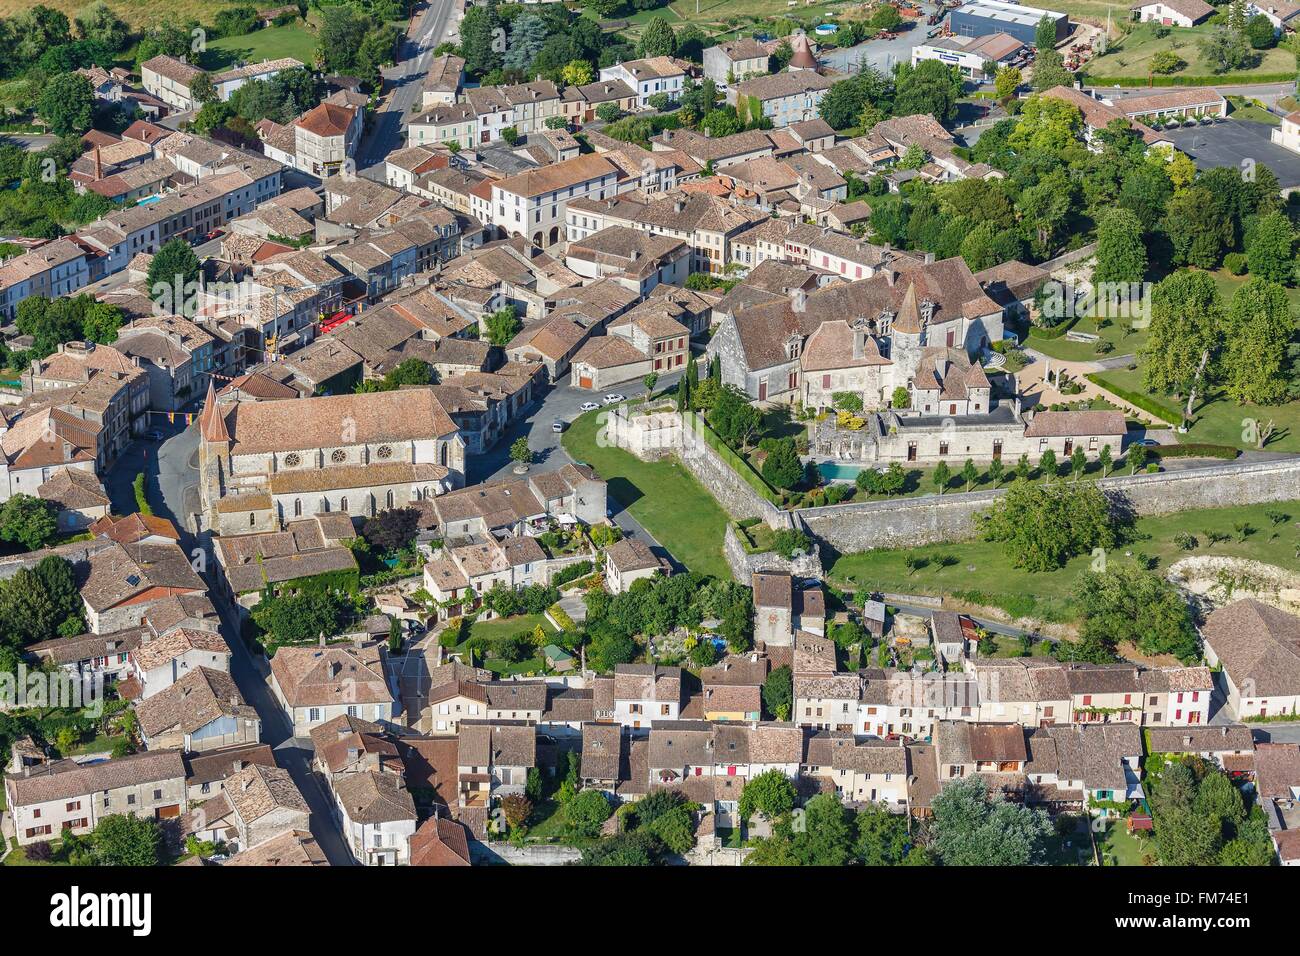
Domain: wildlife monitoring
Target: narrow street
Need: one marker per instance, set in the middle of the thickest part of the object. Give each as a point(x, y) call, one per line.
point(404, 83)
point(171, 477)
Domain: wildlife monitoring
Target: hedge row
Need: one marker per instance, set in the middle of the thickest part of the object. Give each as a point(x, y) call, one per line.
point(1137, 399)
point(571, 572)
point(1222, 79)
point(741, 467)
point(1056, 331)
point(1196, 450)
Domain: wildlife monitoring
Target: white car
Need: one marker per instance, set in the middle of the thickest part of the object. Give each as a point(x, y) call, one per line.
point(589, 406)
point(557, 427)
point(614, 399)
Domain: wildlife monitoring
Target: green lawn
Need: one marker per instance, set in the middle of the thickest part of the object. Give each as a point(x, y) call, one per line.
point(1119, 332)
point(505, 626)
point(983, 574)
point(294, 40)
point(662, 495)
point(1117, 842)
point(1220, 421)
point(1131, 56)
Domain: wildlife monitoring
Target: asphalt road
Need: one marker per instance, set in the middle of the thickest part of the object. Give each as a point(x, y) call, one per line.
point(404, 82)
point(171, 478)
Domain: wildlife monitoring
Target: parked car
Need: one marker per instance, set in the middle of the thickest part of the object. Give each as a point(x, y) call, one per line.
point(589, 406)
point(614, 399)
point(558, 427)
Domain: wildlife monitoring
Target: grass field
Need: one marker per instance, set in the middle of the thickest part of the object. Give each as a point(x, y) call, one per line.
point(295, 40)
point(983, 571)
point(1125, 848)
point(138, 13)
point(663, 496)
point(1131, 55)
point(1119, 333)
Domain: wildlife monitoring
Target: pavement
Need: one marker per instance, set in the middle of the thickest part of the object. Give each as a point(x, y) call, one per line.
point(1232, 142)
point(404, 82)
point(31, 142)
point(884, 55)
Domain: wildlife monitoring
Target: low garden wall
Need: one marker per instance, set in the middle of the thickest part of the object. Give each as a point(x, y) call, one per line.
point(744, 563)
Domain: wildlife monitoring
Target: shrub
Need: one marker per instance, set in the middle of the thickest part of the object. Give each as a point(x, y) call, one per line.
point(1186, 541)
point(789, 540)
point(1235, 263)
point(571, 573)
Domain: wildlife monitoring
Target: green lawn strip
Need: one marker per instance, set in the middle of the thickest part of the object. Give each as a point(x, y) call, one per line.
point(984, 573)
point(662, 495)
point(272, 43)
point(505, 626)
point(1118, 332)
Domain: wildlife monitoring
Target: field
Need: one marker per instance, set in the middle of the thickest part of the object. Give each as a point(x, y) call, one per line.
point(1131, 55)
point(724, 19)
point(663, 496)
point(138, 13)
point(983, 572)
point(272, 43)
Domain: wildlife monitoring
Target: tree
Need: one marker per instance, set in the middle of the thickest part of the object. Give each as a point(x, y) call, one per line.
point(172, 274)
point(969, 828)
point(1257, 332)
point(587, 812)
point(1270, 253)
point(520, 452)
point(503, 324)
point(996, 470)
point(1050, 71)
point(1226, 49)
point(478, 39)
point(1043, 526)
point(733, 418)
point(1125, 603)
point(67, 104)
point(342, 32)
point(123, 839)
point(1260, 33)
point(1104, 459)
point(1047, 123)
point(201, 89)
point(577, 73)
point(1045, 34)
point(1121, 251)
point(391, 530)
point(516, 808)
point(941, 476)
point(782, 467)
point(771, 793)
point(928, 87)
point(1006, 81)
point(969, 473)
point(626, 849)
point(302, 618)
point(843, 104)
point(28, 521)
point(1136, 457)
point(41, 603)
point(98, 22)
point(901, 398)
point(527, 34)
point(657, 39)
point(1186, 326)
point(1196, 227)
point(1078, 463)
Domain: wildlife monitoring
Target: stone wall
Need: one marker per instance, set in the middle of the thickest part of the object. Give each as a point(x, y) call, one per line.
point(540, 855)
point(743, 564)
point(933, 518)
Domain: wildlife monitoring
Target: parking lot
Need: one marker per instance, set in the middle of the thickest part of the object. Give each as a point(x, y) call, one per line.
point(1231, 142)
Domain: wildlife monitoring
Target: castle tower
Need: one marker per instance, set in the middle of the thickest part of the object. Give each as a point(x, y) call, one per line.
point(905, 339)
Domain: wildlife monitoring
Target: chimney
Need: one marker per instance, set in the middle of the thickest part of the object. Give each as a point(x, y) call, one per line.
point(99, 166)
point(239, 765)
point(859, 343)
point(889, 276)
point(929, 258)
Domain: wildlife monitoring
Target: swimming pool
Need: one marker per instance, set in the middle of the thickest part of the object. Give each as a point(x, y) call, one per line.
point(836, 471)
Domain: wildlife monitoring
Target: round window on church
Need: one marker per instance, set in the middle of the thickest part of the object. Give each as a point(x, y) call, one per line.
point(384, 452)
point(338, 456)
point(292, 460)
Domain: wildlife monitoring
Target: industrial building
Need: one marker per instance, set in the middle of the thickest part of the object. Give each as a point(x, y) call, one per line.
point(971, 54)
point(978, 18)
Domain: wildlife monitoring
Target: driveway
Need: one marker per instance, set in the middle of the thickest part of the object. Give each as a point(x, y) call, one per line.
point(1231, 142)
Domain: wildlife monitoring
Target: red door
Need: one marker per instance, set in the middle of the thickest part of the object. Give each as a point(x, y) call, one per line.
point(762, 391)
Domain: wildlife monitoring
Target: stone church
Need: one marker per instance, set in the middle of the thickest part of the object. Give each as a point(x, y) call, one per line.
point(266, 461)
